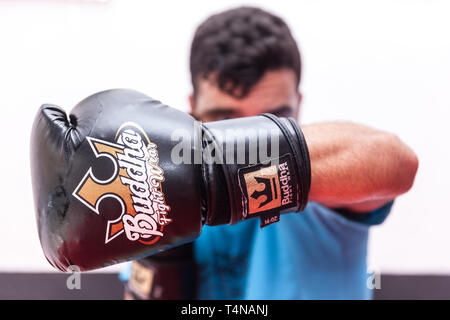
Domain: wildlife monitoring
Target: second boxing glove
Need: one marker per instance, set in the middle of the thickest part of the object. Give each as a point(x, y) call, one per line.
point(169, 275)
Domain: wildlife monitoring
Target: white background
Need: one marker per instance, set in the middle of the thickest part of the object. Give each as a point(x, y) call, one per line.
point(381, 63)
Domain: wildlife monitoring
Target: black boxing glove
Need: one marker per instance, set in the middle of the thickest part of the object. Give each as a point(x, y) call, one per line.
point(125, 176)
point(168, 275)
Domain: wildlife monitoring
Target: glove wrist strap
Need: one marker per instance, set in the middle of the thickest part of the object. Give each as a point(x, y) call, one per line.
point(257, 183)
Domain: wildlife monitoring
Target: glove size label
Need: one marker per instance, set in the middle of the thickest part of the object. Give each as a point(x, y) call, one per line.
point(136, 183)
point(268, 188)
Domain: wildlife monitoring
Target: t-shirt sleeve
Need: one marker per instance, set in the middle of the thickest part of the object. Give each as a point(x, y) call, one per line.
point(371, 218)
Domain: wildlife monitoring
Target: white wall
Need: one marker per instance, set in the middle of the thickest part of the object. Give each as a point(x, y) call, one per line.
point(381, 63)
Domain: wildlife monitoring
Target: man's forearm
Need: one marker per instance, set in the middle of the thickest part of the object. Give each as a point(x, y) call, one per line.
point(357, 167)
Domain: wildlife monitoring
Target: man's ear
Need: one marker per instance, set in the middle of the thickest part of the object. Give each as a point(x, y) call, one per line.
point(298, 106)
point(191, 103)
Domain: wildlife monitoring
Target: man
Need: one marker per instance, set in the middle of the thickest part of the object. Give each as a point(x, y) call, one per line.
point(245, 62)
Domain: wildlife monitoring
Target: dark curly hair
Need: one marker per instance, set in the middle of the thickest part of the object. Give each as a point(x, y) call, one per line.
point(239, 46)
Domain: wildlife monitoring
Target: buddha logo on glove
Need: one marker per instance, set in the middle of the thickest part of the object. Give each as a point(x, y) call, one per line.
point(268, 188)
point(136, 184)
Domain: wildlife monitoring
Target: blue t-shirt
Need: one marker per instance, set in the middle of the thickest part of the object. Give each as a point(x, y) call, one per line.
point(316, 254)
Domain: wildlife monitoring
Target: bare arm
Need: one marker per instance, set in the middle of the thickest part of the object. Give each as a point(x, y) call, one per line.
point(357, 167)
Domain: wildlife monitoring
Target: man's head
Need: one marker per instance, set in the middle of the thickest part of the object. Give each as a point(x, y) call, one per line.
point(244, 62)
